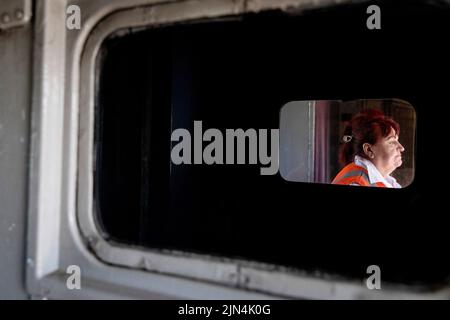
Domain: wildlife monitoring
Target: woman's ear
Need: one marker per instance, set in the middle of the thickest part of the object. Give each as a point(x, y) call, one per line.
point(368, 151)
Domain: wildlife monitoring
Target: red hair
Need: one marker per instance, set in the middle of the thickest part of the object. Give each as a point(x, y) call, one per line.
point(365, 127)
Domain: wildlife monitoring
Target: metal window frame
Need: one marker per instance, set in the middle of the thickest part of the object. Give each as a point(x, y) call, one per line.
point(62, 230)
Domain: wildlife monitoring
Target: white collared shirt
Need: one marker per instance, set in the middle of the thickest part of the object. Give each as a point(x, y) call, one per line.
point(375, 175)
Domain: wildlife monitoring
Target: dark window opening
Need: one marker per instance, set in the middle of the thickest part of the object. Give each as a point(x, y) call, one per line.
point(238, 74)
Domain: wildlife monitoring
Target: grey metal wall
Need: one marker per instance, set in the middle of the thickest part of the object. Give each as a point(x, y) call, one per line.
point(15, 100)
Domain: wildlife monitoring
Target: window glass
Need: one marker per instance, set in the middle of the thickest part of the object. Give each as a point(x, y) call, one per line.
point(360, 143)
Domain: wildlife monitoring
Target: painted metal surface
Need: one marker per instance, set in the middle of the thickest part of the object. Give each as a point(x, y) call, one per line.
point(14, 13)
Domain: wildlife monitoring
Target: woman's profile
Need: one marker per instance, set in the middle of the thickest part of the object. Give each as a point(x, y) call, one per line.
point(371, 151)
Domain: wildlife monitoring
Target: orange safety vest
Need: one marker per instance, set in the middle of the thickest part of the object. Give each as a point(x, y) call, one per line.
point(354, 174)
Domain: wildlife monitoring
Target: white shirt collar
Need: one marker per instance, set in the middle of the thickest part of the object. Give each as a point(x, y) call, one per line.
point(375, 175)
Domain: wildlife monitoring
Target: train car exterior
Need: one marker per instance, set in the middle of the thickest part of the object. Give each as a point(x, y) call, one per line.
point(48, 232)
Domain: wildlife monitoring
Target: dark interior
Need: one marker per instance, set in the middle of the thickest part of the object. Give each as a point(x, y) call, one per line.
point(238, 73)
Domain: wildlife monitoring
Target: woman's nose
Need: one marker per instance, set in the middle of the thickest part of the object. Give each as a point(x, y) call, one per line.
point(401, 147)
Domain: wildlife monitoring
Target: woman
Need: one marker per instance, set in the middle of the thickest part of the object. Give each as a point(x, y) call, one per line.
point(371, 151)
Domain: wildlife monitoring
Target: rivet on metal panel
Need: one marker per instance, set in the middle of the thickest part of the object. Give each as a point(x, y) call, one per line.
point(18, 14)
point(6, 18)
point(30, 263)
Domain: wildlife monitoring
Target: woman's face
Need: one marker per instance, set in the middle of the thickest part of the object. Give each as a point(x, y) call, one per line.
point(387, 153)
